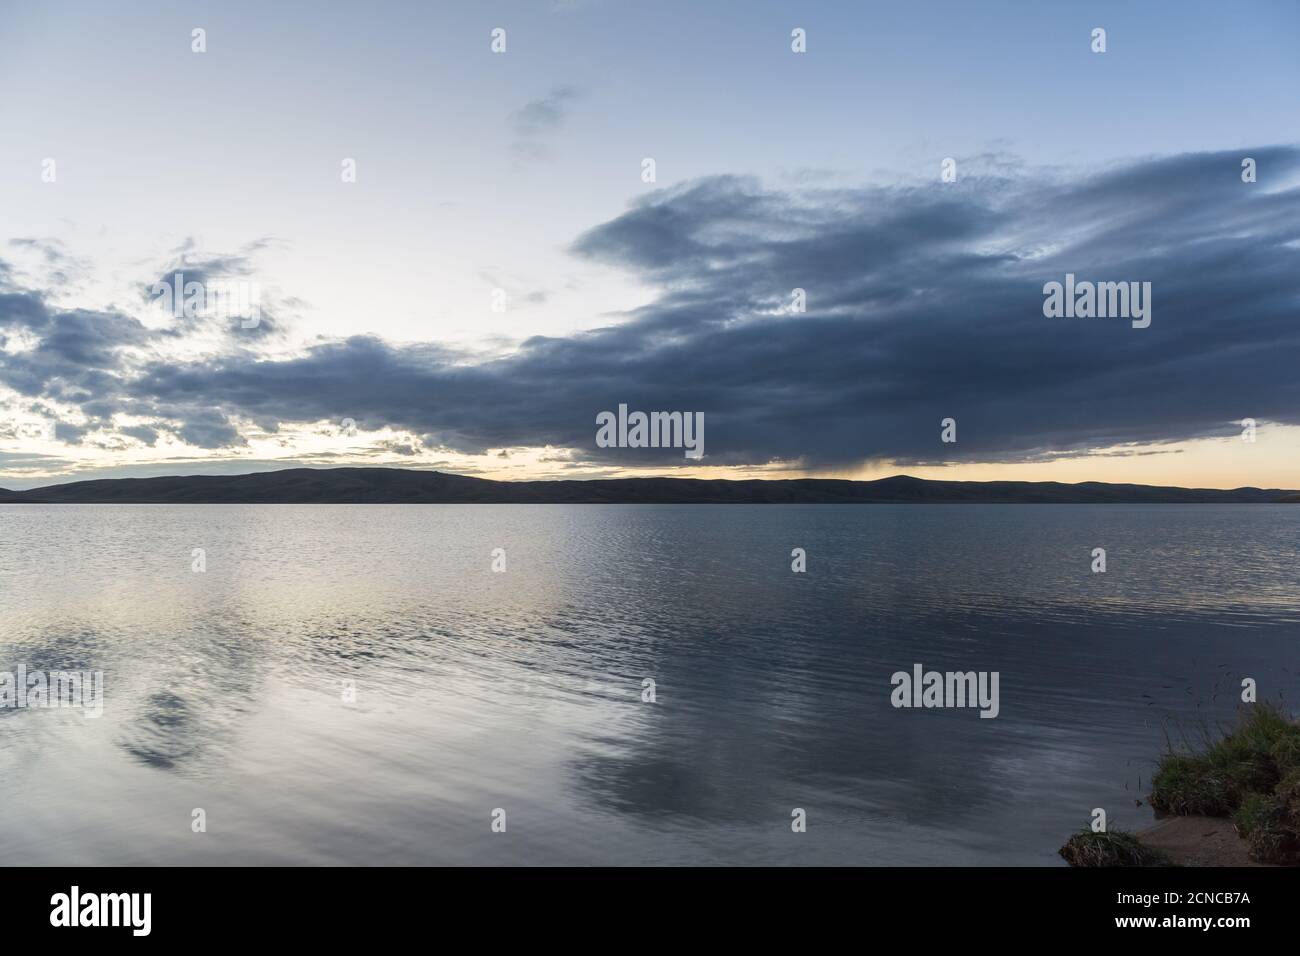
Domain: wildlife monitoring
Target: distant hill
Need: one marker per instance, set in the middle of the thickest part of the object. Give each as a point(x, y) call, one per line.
point(396, 486)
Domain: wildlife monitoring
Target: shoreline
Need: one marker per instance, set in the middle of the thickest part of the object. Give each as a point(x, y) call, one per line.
point(1235, 802)
point(1199, 841)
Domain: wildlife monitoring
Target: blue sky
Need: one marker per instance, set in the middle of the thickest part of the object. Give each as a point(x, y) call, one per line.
point(479, 171)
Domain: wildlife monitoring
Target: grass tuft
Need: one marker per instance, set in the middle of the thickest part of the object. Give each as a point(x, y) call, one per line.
point(1192, 785)
point(1115, 848)
point(1268, 827)
point(1251, 773)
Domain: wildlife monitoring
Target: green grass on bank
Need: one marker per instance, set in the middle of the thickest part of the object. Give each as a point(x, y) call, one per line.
point(1250, 773)
point(1114, 848)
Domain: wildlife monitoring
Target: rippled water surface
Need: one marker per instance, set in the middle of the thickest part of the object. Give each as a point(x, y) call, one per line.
point(523, 690)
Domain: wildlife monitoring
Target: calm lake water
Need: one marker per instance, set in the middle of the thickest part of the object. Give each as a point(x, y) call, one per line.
point(522, 690)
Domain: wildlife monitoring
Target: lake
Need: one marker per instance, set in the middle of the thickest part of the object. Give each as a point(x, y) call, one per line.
point(355, 684)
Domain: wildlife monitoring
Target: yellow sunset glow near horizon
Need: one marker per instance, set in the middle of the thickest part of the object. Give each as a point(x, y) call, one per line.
point(1271, 461)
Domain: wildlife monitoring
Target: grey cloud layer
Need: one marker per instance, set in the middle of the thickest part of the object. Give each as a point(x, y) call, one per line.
point(923, 302)
point(538, 120)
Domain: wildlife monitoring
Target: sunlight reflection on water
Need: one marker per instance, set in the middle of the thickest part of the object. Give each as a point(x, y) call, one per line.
point(522, 690)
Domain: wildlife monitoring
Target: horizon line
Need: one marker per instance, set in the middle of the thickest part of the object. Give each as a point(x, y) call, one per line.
point(657, 477)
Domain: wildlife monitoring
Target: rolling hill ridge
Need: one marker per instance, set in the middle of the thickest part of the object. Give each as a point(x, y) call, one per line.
point(398, 485)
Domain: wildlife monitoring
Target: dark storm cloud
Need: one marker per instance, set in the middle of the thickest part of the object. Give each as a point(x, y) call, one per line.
point(141, 433)
point(923, 303)
point(21, 310)
point(209, 428)
point(76, 354)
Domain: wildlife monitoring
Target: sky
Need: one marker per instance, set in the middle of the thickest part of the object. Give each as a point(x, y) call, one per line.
point(455, 257)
